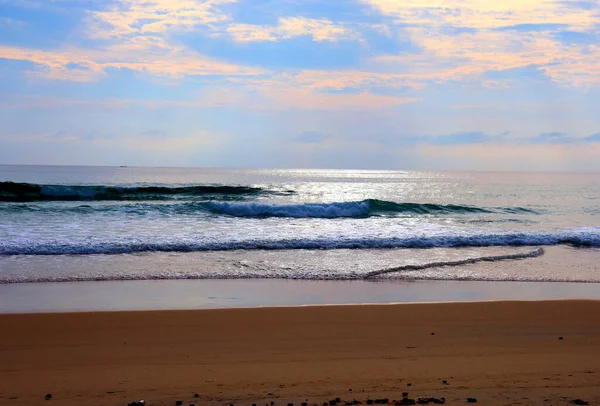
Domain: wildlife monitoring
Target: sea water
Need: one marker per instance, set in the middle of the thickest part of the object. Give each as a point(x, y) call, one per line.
point(61, 224)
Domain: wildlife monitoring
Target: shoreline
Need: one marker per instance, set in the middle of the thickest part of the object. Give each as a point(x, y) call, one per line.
point(306, 306)
point(500, 352)
point(259, 293)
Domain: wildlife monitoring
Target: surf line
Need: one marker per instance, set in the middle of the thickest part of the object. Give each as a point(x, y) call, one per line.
point(521, 255)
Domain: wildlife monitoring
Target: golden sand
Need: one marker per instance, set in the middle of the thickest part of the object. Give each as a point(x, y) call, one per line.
point(498, 352)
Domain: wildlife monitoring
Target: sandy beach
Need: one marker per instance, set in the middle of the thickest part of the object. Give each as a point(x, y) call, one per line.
point(497, 352)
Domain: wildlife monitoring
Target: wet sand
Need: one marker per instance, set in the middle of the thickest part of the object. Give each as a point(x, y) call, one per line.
point(498, 352)
point(219, 293)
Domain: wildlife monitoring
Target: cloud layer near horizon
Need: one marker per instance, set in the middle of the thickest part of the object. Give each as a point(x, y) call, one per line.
point(359, 84)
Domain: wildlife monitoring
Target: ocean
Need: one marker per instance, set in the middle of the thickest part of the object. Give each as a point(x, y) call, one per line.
point(63, 224)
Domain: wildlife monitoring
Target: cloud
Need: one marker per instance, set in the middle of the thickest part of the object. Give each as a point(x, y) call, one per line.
point(559, 138)
point(26, 102)
point(551, 138)
point(152, 140)
point(461, 40)
point(132, 34)
point(143, 56)
point(467, 56)
point(461, 138)
point(129, 18)
point(485, 14)
point(593, 138)
point(154, 133)
point(12, 23)
point(475, 138)
point(310, 137)
point(516, 157)
point(260, 97)
point(291, 98)
point(290, 27)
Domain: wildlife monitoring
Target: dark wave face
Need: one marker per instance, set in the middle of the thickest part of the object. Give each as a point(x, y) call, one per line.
point(364, 208)
point(225, 207)
point(30, 192)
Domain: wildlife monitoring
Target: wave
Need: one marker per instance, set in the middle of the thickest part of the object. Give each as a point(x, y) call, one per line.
point(364, 208)
point(31, 192)
point(357, 209)
point(585, 237)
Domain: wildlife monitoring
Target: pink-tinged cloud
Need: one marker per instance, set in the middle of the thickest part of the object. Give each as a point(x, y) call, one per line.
point(317, 29)
point(53, 102)
point(82, 65)
point(573, 157)
point(143, 17)
point(466, 56)
point(269, 97)
point(485, 14)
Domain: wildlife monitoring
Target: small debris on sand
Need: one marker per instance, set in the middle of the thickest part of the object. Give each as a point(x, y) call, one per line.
point(437, 401)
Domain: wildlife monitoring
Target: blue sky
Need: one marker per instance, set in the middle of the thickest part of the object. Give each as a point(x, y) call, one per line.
point(392, 84)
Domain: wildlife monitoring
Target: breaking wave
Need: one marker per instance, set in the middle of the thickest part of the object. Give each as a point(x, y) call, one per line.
point(583, 237)
point(31, 192)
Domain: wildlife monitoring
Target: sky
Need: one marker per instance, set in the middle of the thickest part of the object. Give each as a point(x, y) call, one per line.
point(358, 84)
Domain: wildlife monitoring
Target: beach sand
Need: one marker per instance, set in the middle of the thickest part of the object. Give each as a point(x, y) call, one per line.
point(498, 352)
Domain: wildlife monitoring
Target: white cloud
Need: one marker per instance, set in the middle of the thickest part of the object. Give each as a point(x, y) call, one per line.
point(143, 17)
point(140, 55)
point(290, 27)
point(484, 14)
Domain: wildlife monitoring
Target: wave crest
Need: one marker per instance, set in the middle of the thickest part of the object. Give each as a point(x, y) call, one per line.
point(585, 237)
point(31, 192)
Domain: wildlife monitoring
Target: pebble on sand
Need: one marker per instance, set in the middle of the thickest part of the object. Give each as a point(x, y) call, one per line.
point(437, 401)
point(48, 396)
point(471, 400)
